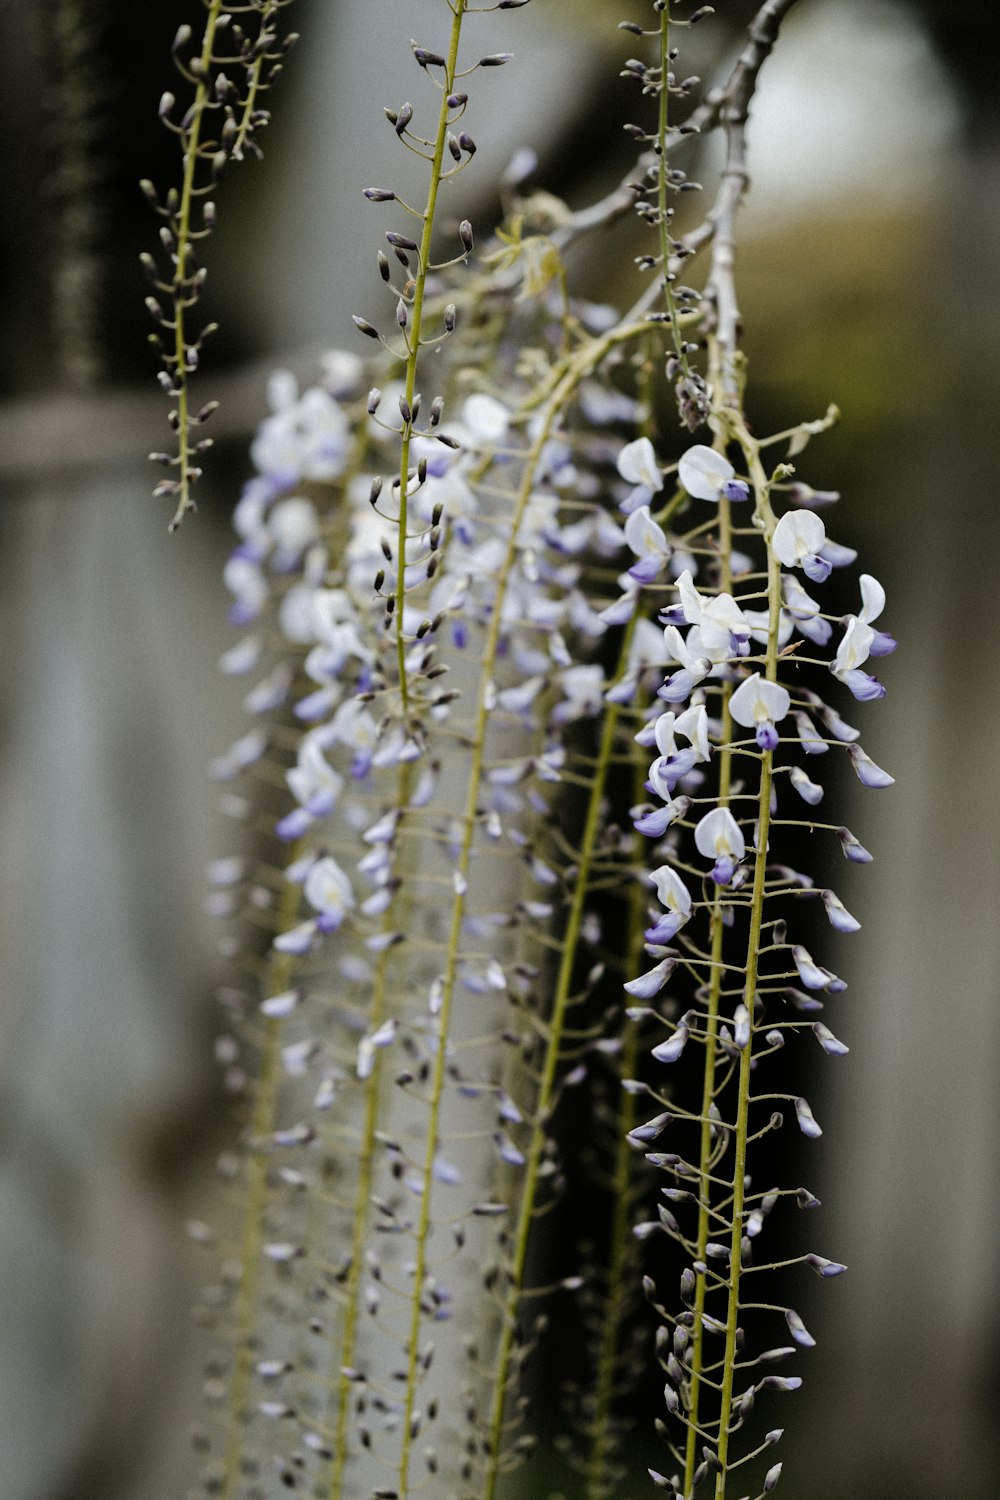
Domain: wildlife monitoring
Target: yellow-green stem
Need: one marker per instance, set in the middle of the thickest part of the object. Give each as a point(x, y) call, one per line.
point(377, 1013)
point(711, 1047)
point(192, 147)
point(414, 336)
point(663, 192)
point(764, 515)
point(253, 88)
point(616, 1302)
point(578, 368)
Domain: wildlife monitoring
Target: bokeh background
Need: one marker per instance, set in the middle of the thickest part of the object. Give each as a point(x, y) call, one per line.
point(869, 275)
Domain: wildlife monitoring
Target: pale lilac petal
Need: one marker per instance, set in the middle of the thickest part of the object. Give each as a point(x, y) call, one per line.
point(798, 1330)
point(831, 1045)
point(824, 1267)
point(296, 939)
point(816, 568)
point(651, 983)
point(670, 1050)
point(486, 418)
point(838, 556)
point(868, 773)
point(665, 929)
point(654, 823)
point(864, 687)
point(812, 976)
point(853, 848)
point(809, 791)
point(809, 735)
point(839, 916)
point(277, 1007)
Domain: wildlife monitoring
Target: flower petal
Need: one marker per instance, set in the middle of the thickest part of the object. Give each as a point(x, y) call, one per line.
point(703, 472)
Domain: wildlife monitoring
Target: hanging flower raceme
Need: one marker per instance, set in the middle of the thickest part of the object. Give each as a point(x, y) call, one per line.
point(478, 623)
point(734, 970)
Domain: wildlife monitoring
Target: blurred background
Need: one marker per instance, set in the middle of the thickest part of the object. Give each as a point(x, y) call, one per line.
point(869, 270)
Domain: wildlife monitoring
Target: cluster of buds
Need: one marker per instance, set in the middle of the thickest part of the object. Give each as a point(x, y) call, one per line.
point(238, 59)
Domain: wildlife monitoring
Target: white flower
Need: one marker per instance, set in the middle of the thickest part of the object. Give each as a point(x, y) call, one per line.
point(854, 647)
point(329, 892)
point(314, 784)
point(485, 418)
point(303, 439)
point(646, 539)
point(244, 579)
point(797, 541)
point(584, 689)
point(759, 705)
point(341, 372)
point(671, 892)
point(293, 525)
point(692, 723)
point(382, 1037)
point(637, 465)
point(719, 837)
point(872, 598)
point(708, 475)
point(721, 626)
point(352, 725)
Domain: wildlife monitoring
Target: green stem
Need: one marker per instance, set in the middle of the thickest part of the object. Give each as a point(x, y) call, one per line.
point(578, 368)
point(414, 337)
point(765, 516)
point(192, 144)
point(253, 87)
point(663, 190)
point(377, 1013)
point(477, 757)
point(619, 1294)
point(711, 1048)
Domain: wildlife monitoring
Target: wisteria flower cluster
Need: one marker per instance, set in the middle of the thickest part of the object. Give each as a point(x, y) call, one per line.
point(537, 695)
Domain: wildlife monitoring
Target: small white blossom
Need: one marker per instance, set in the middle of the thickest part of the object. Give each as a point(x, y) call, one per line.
point(708, 475)
point(637, 465)
point(646, 538)
point(671, 892)
point(485, 418)
point(759, 705)
point(329, 892)
point(293, 525)
point(314, 784)
point(719, 837)
point(797, 540)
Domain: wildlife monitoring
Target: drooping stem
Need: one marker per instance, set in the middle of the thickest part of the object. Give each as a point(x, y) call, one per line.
point(377, 1013)
point(414, 333)
point(618, 1294)
point(663, 189)
point(192, 151)
point(764, 517)
point(711, 1047)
